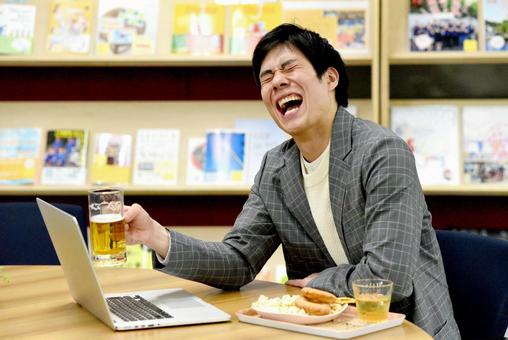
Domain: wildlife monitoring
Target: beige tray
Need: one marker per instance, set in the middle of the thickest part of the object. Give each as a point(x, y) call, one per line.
point(345, 326)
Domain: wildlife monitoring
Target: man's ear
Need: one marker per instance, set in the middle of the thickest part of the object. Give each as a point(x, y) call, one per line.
point(332, 77)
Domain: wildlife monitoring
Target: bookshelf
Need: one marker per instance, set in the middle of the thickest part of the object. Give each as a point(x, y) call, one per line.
point(448, 78)
point(163, 90)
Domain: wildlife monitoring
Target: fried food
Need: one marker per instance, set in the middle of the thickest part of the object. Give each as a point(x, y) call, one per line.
point(317, 295)
point(313, 308)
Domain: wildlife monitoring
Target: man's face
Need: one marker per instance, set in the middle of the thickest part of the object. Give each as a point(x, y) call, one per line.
point(296, 98)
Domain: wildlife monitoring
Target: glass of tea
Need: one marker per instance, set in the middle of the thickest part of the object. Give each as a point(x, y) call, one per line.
point(373, 298)
point(107, 231)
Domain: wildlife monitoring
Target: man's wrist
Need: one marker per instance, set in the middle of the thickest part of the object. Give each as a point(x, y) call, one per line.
point(159, 241)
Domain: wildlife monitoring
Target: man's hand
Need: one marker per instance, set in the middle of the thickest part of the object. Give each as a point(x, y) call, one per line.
point(302, 282)
point(141, 228)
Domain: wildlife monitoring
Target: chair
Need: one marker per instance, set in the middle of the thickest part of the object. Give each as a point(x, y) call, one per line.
point(477, 273)
point(24, 239)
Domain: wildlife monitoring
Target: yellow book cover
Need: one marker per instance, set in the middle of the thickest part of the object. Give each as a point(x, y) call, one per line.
point(111, 159)
point(19, 155)
point(70, 24)
point(343, 23)
point(249, 22)
point(127, 27)
point(198, 28)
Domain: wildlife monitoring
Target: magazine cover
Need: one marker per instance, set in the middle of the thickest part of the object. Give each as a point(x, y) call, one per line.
point(19, 155)
point(198, 29)
point(432, 134)
point(70, 26)
point(485, 130)
point(262, 135)
point(127, 27)
point(443, 25)
point(17, 23)
point(156, 156)
point(196, 149)
point(495, 14)
point(343, 23)
point(225, 157)
point(249, 22)
point(111, 159)
point(65, 157)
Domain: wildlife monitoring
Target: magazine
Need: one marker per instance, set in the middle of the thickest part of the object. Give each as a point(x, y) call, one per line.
point(262, 135)
point(111, 159)
point(65, 157)
point(495, 14)
point(70, 24)
point(196, 149)
point(198, 28)
point(249, 22)
point(156, 157)
point(19, 155)
point(432, 134)
point(437, 25)
point(17, 23)
point(127, 27)
point(343, 23)
point(225, 157)
point(485, 130)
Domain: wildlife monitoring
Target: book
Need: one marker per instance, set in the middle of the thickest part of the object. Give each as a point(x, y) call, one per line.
point(19, 155)
point(485, 143)
point(495, 15)
point(262, 135)
point(432, 134)
point(196, 148)
point(17, 24)
point(156, 156)
point(127, 27)
point(111, 158)
point(198, 28)
point(65, 157)
point(225, 157)
point(343, 23)
point(70, 24)
point(248, 24)
point(437, 25)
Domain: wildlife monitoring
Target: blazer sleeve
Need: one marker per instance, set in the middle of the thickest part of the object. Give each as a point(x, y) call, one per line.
point(394, 213)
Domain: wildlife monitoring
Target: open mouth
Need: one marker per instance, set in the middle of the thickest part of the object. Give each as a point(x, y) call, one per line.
point(289, 103)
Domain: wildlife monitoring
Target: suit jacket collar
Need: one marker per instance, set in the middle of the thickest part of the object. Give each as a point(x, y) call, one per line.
point(292, 182)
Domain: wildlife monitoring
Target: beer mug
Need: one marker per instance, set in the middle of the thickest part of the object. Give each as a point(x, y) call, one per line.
point(107, 226)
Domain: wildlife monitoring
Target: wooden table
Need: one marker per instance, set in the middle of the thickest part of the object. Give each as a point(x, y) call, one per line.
point(36, 303)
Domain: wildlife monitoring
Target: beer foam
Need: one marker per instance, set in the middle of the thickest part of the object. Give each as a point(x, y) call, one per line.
point(106, 218)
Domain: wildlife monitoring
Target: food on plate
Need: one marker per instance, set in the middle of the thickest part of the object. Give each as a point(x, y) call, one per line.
point(313, 308)
point(317, 295)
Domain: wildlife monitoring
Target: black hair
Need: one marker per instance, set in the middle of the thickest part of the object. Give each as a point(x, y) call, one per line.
point(315, 48)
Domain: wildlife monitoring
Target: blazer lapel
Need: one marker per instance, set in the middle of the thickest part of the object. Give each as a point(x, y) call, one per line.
point(295, 198)
point(339, 170)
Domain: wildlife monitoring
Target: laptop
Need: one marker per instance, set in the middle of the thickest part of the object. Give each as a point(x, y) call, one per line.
point(120, 311)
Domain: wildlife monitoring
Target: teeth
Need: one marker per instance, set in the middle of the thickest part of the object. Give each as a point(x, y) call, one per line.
point(287, 99)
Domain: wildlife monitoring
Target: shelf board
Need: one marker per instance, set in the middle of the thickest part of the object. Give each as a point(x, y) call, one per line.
point(466, 190)
point(183, 60)
point(177, 190)
point(404, 58)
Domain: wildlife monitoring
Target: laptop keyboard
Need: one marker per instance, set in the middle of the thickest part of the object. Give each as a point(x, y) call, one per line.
point(134, 308)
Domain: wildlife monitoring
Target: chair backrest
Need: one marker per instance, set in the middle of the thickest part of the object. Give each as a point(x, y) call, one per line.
point(24, 239)
point(477, 273)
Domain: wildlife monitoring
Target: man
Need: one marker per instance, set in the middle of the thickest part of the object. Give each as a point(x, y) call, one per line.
point(342, 196)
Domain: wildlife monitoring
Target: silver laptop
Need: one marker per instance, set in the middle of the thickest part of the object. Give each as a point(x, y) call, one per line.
point(120, 311)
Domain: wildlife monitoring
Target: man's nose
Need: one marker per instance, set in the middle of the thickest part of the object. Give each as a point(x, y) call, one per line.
point(279, 79)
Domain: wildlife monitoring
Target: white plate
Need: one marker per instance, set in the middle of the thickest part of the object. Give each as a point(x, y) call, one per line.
point(298, 318)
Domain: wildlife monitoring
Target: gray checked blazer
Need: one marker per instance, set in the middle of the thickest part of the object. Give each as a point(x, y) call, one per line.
point(379, 211)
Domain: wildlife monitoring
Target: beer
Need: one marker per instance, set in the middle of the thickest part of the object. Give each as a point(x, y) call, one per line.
point(108, 239)
point(372, 307)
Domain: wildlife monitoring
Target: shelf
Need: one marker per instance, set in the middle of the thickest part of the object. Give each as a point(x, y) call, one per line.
point(177, 190)
point(184, 60)
point(408, 58)
point(467, 190)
